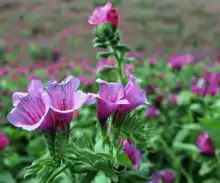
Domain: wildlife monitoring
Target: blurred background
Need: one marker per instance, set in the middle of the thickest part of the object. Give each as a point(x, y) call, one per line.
point(37, 35)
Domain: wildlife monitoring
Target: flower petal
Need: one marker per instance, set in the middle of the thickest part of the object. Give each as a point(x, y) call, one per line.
point(17, 96)
point(110, 91)
point(30, 113)
point(60, 95)
point(133, 94)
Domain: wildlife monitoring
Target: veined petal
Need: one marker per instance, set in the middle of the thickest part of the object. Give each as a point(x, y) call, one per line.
point(30, 113)
point(110, 91)
point(105, 109)
point(35, 87)
point(133, 94)
point(17, 96)
point(60, 95)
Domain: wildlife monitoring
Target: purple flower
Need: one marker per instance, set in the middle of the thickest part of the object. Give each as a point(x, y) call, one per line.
point(46, 110)
point(165, 176)
point(173, 98)
point(151, 88)
point(204, 144)
point(153, 61)
point(152, 112)
point(63, 99)
point(133, 94)
point(109, 99)
point(177, 61)
point(4, 141)
point(133, 154)
point(179, 85)
point(114, 97)
point(30, 111)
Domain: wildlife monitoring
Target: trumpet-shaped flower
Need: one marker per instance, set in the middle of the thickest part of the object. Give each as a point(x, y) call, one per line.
point(46, 110)
point(114, 97)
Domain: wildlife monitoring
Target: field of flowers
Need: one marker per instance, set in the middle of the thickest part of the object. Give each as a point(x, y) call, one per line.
point(103, 107)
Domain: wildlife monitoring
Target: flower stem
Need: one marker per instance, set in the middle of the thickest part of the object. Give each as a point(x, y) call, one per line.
point(175, 160)
point(119, 65)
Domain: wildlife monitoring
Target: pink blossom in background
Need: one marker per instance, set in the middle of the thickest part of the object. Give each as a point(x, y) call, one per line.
point(177, 61)
point(204, 144)
point(173, 98)
point(4, 141)
point(164, 176)
point(152, 112)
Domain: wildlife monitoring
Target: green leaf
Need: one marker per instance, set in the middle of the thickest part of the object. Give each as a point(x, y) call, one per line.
point(130, 60)
point(124, 160)
point(101, 178)
point(106, 168)
point(89, 177)
point(122, 48)
point(100, 45)
point(196, 108)
point(135, 176)
point(211, 181)
point(6, 177)
point(189, 148)
point(181, 135)
point(104, 55)
point(206, 168)
point(184, 98)
point(211, 123)
point(192, 126)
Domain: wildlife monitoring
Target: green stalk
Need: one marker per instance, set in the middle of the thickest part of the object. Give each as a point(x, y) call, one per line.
point(119, 65)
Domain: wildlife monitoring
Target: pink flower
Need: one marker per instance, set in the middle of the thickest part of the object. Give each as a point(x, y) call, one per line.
point(164, 176)
point(133, 154)
point(30, 111)
point(204, 144)
point(114, 97)
point(153, 61)
point(173, 98)
point(4, 141)
point(105, 14)
point(103, 62)
point(39, 110)
point(177, 61)
point(152, 112)
point(109, 98)
point(63, 99)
